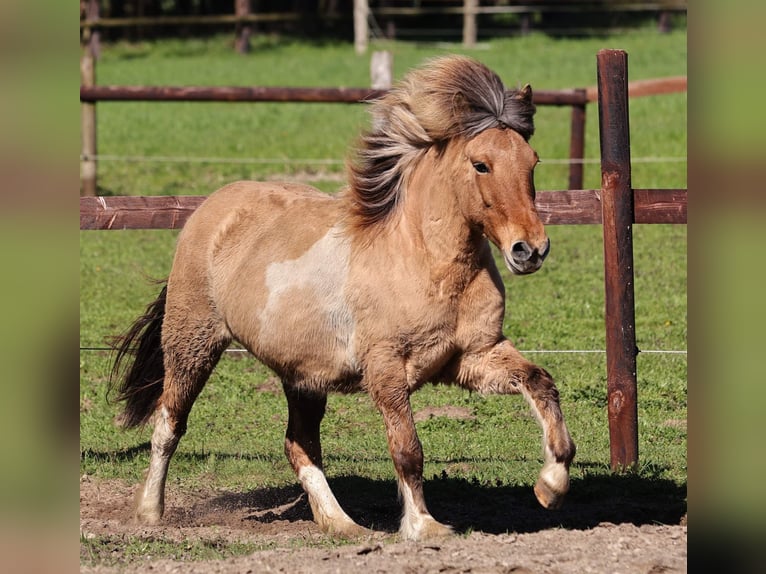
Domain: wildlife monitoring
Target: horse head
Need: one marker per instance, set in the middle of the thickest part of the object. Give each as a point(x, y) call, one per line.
point(456, 103)
point(497, 194)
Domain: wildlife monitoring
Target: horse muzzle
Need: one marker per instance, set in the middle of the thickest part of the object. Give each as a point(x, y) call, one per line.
point(523, 259)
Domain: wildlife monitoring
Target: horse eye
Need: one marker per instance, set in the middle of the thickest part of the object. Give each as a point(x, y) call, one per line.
point(481, 167)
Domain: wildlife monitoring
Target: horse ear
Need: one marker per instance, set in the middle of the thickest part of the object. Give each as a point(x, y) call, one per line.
point(524, 94)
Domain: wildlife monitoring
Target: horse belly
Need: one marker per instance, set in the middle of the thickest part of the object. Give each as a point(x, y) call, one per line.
point(301, 325)
point(306, 337)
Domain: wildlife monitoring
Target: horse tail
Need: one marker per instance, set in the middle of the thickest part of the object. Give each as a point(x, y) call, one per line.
point(139, 382)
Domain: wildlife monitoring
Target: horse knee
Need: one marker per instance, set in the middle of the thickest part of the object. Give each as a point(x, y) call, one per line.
point(409, 462)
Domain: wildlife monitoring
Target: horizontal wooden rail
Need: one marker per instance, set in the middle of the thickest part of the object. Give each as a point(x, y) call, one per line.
point(210, 19)
point(554, 207)
point(225, 94)
point(642, 88)
point(530, 6)
point(92, 94)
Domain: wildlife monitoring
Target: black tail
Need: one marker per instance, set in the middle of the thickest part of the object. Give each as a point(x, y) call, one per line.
point(139, 383)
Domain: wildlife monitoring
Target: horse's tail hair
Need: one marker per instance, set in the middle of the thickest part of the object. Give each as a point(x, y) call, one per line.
point(139, 382)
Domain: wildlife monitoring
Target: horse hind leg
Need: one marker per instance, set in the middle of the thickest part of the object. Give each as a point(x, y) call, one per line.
point(304, 451)
point(192, 348)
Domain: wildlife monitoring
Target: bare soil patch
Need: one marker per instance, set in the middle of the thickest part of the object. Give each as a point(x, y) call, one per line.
point(500, 529)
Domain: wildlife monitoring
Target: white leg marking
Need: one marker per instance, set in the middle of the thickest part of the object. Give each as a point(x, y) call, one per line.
point(553, 482)
point(417, 524)
point(151, 497)
point(327, 512)
point(556, 476)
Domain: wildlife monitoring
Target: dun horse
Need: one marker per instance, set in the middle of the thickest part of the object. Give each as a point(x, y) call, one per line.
point(383, 288)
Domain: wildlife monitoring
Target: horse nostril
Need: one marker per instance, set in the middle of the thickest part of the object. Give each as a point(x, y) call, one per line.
point(546, 249)
point(521, 251)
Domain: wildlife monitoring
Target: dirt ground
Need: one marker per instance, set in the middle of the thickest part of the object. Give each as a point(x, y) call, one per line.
point(500, 530)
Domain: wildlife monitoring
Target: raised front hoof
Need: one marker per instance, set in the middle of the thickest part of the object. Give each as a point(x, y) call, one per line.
point(549, 496)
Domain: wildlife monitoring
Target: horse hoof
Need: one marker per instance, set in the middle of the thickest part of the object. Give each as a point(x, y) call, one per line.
point(435, 530)
point(428, 530)
point(547, 496)
point(147, 518)
point(348, 530)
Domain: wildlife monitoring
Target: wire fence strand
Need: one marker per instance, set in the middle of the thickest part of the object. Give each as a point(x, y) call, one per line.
point(324, 161)
point(529, 351)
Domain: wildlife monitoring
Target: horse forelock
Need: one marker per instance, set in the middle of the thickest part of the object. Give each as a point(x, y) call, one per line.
point(449, 97)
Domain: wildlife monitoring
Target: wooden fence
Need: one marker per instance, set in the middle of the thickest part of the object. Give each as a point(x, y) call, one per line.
point(244, 17)
point(90, 94)
point(617, 206)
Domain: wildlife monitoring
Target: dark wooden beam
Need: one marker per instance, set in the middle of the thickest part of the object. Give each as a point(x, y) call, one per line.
point(555, 208)
point(617, 207)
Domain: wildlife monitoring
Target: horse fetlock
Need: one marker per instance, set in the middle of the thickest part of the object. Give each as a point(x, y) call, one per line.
point(552, 485)
point(561, 448)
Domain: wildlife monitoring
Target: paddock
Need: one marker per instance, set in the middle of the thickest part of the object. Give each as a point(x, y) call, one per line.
point(616, 207)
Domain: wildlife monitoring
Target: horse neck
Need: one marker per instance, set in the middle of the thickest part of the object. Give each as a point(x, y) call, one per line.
point(431, 215)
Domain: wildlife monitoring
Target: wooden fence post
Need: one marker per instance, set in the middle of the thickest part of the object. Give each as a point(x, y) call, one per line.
point(469, 22)
point(577, 143)
point(361, 32)
point(90, 48)
point(618, 217)
point(381, 70)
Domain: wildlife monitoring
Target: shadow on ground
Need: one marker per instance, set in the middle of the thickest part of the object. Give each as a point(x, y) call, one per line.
point(469, 506)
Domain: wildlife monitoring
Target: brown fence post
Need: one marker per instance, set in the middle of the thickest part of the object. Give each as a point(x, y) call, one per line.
point(88, 57)
point(618, 217)
point(577, 143)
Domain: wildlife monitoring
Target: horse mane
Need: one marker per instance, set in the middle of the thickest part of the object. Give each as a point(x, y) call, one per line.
point(449, 97)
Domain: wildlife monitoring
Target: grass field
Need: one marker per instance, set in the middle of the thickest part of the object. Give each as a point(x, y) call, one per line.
point(235, 437)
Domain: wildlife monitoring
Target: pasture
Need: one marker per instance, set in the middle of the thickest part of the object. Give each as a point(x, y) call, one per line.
point(482, 454)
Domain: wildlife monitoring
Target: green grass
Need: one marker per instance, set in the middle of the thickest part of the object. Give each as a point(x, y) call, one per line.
point(235, 437)
point(325, 131)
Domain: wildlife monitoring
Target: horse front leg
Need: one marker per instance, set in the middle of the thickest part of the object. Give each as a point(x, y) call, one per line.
point(503, 370)
point(304, 451)
point(392, 399)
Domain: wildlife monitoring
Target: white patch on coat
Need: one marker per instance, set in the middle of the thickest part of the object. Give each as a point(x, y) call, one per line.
point(323, 271)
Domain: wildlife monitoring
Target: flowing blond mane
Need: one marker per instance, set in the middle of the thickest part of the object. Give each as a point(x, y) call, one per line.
point(449, 97)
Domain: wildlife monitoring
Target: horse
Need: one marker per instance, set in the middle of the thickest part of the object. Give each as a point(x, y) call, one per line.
point(383, 287)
